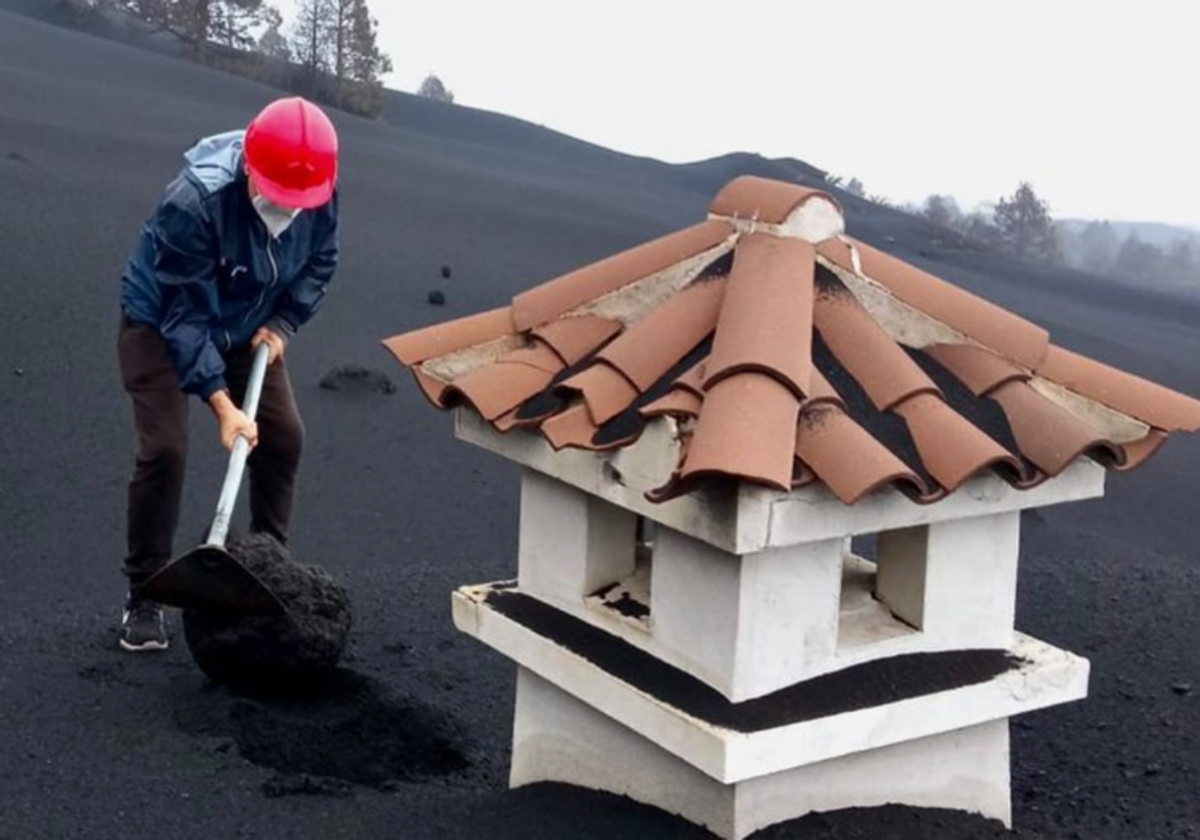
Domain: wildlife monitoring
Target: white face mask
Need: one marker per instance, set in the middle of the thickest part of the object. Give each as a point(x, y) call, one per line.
point(276, 218)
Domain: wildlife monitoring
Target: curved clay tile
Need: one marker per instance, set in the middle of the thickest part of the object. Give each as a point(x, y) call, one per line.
point(693, 379)
point(606, 392)
point(1138, 452)
point(572, 428)
point(765, 323)
point(1047, 434)
point(746, 430)
point(678, 402)
point(500, 387)
point(845, 456)
point(762, 199)
point(557, 297)
point(1151, 403)
point(821, 392)
point(440, 339)
point(574, 338)
point(650, 348)
point(867, 353)
point(433, 388)
point(1009, 335)
point(980, 370)
point(951, 449)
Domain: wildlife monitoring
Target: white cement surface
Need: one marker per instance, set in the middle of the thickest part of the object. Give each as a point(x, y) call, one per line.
point(558, 738)
point(1050, 677)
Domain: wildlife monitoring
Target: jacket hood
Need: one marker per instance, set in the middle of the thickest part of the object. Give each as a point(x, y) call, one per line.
point(216, 161)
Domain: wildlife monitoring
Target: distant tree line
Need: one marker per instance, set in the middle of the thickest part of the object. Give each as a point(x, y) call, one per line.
point(329, 54)
point(1021, 224)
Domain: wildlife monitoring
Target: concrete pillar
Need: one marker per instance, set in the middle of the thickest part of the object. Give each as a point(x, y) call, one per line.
point(955, 580)
point(571, 543)
point(746, 625)
point(557, 738)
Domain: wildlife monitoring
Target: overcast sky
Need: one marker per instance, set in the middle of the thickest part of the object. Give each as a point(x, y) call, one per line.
point(1096, 103)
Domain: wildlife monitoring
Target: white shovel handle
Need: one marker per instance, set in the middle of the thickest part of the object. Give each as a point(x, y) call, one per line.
point(241, 450)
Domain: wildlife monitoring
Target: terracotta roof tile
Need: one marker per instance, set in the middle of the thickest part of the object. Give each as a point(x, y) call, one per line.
point(883, 370)
point(1139, 452)
point(750, 197)
point(1009, 335)
point(606, 392)
point(500, 387)
point(574, 338)
point(564, 294)
point(677, 403)
point(783, 371)
point(951, 449)
point(746, 430)
point(441, 339)
point(980, 370)
point(766, 317)
point(1129, 394)
point(843, 455)
point(650, 348)
point(1047, 434)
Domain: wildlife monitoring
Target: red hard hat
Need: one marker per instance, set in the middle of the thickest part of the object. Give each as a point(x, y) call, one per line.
point(291, 150)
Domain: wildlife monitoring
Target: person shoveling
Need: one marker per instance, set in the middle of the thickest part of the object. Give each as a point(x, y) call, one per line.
point(234, 260)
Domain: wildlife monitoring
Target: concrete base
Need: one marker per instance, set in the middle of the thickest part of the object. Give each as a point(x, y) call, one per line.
point(1046, 677)
point(557, 738)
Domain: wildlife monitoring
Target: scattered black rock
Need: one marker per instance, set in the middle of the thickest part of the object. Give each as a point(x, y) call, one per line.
point(437, 298)
point(445, 272)
point(1183, 688)
point(302, 784)
point(354, 730)
point(357, 379)
point(277, 654)
point(19, 371)
point(17, 157)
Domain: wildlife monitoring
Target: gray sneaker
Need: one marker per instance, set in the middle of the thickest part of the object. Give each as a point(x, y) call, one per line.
point(142, 626)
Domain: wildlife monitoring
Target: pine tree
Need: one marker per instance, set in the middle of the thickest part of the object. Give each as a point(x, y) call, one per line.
point(1025, 224)
point(433, 88)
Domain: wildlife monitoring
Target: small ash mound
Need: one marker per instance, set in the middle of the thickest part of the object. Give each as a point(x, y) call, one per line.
point(356, 730)
point(436, 298)
point(276, 654)
point(357, 379)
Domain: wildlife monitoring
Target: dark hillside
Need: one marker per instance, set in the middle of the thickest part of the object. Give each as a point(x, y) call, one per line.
point(96, 744)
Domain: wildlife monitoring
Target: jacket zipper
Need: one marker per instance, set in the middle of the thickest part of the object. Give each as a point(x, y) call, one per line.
point(271, 285)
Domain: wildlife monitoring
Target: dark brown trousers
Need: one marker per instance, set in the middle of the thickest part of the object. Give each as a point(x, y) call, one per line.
point(160, 415)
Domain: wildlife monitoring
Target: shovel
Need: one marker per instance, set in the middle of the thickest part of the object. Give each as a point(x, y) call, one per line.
point(208, 577)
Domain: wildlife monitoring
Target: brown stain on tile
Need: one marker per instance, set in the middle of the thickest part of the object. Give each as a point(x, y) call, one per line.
point(441, 339)
point(766, 318)
point(1011, 336)
point(847, 458)
point(650, 348)
point(876, 362)
point(746, 430)
point(573, 339)
point(1147, 401)
point(564, 294)
point(762, 199)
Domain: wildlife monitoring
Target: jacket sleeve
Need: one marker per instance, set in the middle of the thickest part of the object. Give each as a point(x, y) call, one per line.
point(303, 298)
point(185, 268)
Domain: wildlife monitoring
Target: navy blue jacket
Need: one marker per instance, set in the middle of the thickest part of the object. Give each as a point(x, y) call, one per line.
point(207, 274)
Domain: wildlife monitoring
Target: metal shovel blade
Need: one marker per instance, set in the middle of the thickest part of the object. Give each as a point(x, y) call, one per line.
point(209, 578)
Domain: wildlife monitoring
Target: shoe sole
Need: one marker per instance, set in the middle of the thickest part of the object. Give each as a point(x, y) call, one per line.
point(146, 647)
